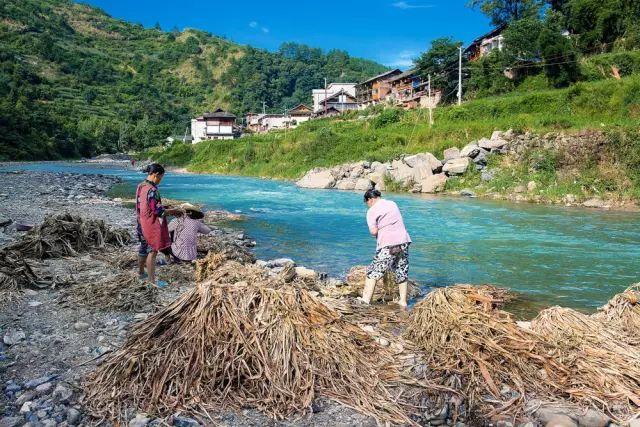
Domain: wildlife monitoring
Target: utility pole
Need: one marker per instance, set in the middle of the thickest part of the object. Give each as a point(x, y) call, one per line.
point(430, 103)
point(325, 97)
point(460, 76)
point(264, 107)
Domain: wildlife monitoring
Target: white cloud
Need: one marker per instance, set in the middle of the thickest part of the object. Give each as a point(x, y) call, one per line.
point(405, 5)
point(257, 26)
point(403, 59)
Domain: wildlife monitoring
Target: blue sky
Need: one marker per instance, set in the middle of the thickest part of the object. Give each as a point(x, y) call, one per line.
point(392, 32)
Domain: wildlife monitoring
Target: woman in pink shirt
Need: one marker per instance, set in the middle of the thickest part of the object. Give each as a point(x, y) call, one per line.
point(392, 248)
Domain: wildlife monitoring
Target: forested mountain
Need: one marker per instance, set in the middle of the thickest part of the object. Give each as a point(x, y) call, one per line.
point(75, 81)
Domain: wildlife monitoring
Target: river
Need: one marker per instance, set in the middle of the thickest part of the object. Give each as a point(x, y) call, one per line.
point(552, 255)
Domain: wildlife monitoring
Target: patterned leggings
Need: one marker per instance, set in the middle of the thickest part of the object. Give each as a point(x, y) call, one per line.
point(383, 261)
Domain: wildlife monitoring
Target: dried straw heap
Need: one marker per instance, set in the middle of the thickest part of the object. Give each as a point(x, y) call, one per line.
point(470, 341)
point(123, 292)
point(232, 250)
point(245, 345)
point(67, 235)
point(15, 275)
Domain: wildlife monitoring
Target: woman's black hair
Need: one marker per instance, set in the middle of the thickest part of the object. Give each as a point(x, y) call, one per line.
point(372, 193)
point(154, 168)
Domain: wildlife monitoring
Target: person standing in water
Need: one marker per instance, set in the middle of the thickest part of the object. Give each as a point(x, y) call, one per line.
point(152, 227)
point(392, 245)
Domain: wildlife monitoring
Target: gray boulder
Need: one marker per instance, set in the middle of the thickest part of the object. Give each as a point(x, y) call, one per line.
point(456, 166)
point(451, 153)
point(318, 179)
point(346, 184)
point(421, 165)
point(402, 172)
point(492, 144)
point(470, 150)
point(362, 184)
point(433, 184)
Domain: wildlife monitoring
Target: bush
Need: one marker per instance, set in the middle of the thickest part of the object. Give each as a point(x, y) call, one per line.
point(387, 117)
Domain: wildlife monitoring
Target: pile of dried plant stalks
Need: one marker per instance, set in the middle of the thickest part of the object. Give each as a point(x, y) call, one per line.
point(67, 235)
point(565, 355)
point(622, 313)
point(221, 267)
point(245, 345)
point(123, 292)
point(233, 251)
point(16, 275)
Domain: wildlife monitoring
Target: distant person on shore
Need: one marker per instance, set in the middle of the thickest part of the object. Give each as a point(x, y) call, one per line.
point(185, 230)
point(392, 248)
point(152, 227)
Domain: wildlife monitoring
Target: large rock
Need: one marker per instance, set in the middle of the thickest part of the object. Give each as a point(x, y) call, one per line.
point(402, 172)
point(421, 165)
point(362, 184)
point(451, 153)
point(492, 144)
point(346, 184)
point(306, 273)
point(470, 150)
point(358, 169)
point(418, 159)
point(434, 183)
point(317, 179)
point(456, 166)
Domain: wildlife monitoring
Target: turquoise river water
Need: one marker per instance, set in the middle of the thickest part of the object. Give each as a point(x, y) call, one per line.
point(552, 255)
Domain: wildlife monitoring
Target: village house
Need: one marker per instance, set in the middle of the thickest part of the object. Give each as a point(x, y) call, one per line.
point(340, 101)
point(345, 92)
point(217, 125)
point(376, 89)
point(406, 89)
point(485, 44)
point(300, 114)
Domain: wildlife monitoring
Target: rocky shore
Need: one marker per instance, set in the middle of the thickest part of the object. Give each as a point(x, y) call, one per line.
point(425, 173)
point(50, 343)
point(47, 346)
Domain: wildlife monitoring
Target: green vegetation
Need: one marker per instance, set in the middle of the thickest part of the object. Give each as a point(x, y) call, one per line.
point(561, 41)
point(76, 82)
point(607, 105)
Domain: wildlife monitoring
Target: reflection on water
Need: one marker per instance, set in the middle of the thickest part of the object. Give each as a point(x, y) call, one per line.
point(552, 255)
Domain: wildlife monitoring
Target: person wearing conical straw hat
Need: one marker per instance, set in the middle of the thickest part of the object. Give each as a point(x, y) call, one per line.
point(185, 231)
point(392, 245)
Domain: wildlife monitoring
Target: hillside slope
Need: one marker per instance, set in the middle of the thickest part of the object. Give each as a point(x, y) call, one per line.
point(610, 107)
point(74, 81)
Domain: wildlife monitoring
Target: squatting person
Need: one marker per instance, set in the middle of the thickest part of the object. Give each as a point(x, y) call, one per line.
point(185, 232)
point(152, 227)
point(392, 245)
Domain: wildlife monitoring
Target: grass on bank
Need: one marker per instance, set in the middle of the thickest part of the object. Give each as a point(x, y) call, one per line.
point(606, 105)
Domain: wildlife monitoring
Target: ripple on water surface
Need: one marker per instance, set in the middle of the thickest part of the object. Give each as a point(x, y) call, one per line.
point(553, 255)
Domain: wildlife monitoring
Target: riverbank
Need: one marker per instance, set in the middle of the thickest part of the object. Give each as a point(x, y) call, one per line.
point(519, 167)
point(51, 343)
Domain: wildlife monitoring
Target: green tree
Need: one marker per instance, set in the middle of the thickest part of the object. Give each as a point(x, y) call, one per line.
point(521, 40)
point(502, 12)
point(441, 62)
point(597, 23)
point(558, 54)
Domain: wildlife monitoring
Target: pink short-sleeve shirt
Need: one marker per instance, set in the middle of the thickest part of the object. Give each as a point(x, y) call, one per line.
point(385, 216)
